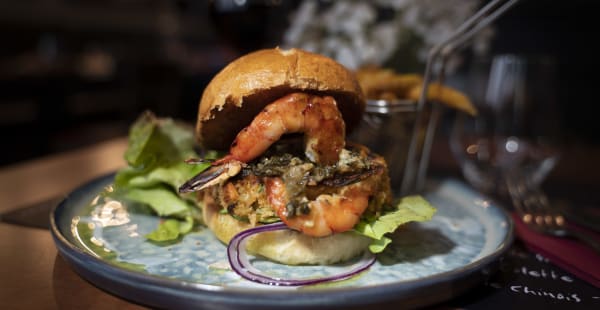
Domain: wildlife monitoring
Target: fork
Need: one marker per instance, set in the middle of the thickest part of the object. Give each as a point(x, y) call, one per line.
point(535, 210)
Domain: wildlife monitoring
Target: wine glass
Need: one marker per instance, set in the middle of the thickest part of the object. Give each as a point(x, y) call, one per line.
point(516, 136)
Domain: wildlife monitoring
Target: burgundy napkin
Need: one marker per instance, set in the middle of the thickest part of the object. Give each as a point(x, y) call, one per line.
point(569, 254)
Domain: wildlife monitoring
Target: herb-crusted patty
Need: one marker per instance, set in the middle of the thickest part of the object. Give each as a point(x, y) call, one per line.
point(244, 197)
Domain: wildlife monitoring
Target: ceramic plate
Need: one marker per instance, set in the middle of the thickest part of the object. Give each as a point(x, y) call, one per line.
point(426, 263)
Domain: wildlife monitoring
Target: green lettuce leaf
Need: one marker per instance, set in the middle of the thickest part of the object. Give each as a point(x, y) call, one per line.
point(173, 175)
point(156, 154)
point(409, 209)
point(171, 229)
point(158, 143)
point(162, 200)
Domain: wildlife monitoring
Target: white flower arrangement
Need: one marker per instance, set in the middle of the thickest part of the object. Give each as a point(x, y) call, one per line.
point(358, 33)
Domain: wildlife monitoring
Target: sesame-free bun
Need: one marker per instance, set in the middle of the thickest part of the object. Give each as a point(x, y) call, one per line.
point(245, 86)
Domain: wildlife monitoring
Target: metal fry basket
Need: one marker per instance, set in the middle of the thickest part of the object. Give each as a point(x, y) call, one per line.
point(403, 131)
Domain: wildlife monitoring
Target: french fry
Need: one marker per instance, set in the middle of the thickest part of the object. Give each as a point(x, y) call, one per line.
point(386, 84)
point(445, 95)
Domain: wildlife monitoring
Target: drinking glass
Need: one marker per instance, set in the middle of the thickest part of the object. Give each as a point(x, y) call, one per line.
point(516, 135)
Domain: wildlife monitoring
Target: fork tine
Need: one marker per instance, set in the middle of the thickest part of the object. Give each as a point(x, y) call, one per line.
point(536, 211)
point(530, 203)
point(516, 194)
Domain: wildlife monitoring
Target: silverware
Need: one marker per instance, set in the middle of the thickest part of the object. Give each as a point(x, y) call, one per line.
point(534, 209)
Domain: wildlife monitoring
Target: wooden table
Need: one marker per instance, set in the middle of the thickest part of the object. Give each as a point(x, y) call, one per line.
point(32, 275)
point(38, 180)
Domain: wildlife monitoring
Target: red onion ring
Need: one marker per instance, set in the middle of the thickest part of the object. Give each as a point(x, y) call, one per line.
point(238, 259)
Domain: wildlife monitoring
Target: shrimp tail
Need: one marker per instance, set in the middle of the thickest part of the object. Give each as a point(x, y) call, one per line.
point(212, 176)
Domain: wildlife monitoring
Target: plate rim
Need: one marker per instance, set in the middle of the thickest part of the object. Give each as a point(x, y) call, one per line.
point(244, 296)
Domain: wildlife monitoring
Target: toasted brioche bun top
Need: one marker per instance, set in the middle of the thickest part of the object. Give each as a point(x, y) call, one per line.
point(245, 86)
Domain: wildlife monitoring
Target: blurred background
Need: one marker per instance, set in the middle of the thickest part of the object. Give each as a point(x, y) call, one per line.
point(76, 72)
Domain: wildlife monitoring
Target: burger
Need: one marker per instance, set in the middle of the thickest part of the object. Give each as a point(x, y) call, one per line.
point(279, 119)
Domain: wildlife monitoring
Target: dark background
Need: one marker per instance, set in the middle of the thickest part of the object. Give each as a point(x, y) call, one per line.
point(74, 73)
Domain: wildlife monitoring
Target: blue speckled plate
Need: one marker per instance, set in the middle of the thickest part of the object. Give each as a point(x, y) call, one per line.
point(427, 262)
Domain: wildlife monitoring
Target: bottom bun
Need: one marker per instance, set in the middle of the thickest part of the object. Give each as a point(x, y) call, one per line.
point(286, 246)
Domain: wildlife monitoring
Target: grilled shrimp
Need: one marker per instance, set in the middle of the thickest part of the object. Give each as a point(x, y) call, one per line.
point(317, 117)
point(327, 214)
